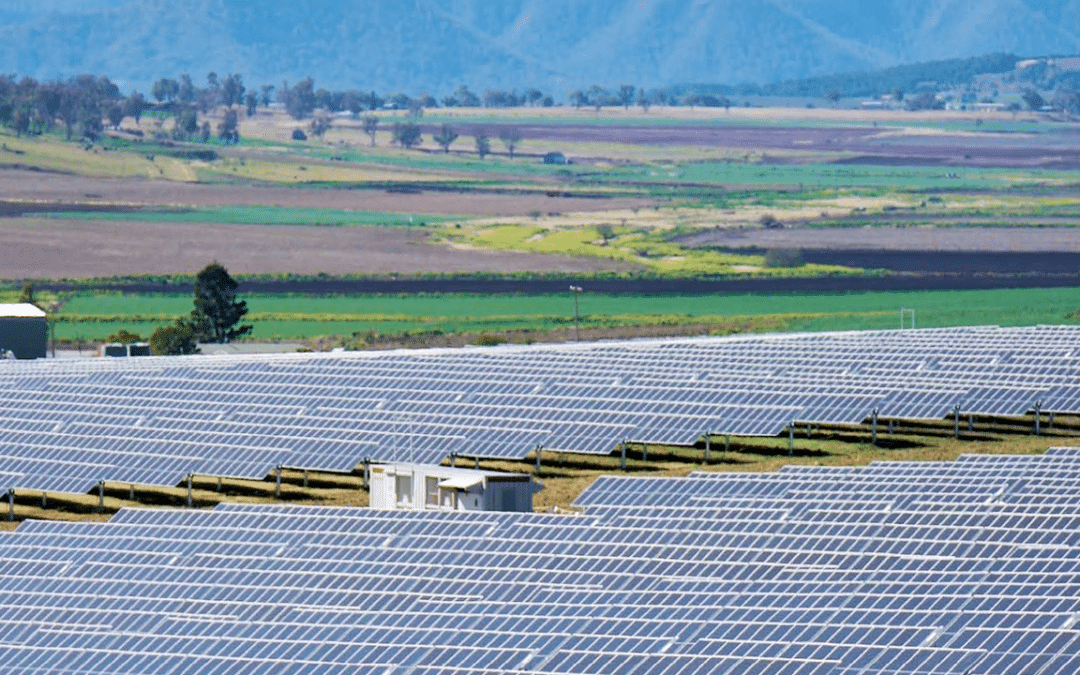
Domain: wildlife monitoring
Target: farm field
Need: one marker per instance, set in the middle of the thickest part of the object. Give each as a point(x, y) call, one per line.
point(93, 316)
point(668, 194)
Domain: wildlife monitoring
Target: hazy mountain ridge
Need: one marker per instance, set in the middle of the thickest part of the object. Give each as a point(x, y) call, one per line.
point(557, 45)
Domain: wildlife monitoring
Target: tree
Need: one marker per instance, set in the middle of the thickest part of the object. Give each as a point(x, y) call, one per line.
point(115, 113)
point(626, 95)
point(232, 90)
point(299, 99)
point(321, 123)
point(407, 134)
point(165, 90)
point(1033, 99)
point(186, 92)
point(26, 296)
point(832, 96)
point(217, 312)
point(251, 103)
point(578, 98)
point(229, 128)
point(483, 144)
point(187, 124)
point(371, 125)
point(134, 106)
point(124, 336)
point(533, 95)
point(510, 137)
point(174, 340)
point(447, 135)
point(644, 101)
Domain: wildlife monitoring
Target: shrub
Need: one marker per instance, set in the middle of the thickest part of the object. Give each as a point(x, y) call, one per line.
point(784, 257)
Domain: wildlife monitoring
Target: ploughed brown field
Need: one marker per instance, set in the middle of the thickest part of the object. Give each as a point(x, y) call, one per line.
point(36, 247)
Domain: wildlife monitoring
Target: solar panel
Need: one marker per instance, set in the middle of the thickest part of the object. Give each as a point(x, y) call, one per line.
point(822, 570)
point(81, 421)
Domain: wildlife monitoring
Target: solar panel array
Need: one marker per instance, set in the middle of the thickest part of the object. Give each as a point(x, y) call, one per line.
point(933, 568)
point(66, 425)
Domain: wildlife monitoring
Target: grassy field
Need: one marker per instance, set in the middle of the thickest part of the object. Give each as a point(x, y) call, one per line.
point(91, 316)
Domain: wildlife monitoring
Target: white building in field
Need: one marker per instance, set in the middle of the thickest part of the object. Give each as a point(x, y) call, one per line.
point(428, 487)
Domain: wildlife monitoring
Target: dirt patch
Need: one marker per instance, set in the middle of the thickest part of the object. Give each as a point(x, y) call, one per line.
point(36, 248)
point(955, 239)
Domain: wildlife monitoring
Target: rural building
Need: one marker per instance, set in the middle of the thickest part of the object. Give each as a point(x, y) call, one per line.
point(555, 158)
point(126, 349)
point(430, 487)
point(23, 331)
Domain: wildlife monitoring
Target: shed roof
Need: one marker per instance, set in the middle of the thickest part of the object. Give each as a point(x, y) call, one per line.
point(21, 310)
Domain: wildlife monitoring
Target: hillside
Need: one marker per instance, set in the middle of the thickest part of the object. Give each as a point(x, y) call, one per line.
point(557, 45)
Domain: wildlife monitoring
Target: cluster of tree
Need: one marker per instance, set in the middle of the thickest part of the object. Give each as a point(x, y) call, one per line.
point(302, 99)
point(80, 103)
point(86, 103)
point(1064, 99)
point(215, 318)
point(185, 101)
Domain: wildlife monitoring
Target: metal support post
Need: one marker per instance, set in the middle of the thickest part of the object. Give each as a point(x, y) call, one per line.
point(11, 504)
point(622, 455)
point(131, 491)
point(189, 502)
point(791, 438)
point(727, 442)
point(708, 447)
point(305, 478)
point(477, 464)
point(956, 420)
point(809, 431)
point(644, 452)
point(219, 483)
point(277, 483)
point(890, 427)
point(538, 459)
point(873, 427)
point(101, 496)
point(971, 422)
point(1050, 422)
point(44, 500)
point(1038, 416)
point(453, 459)
point(367, 472)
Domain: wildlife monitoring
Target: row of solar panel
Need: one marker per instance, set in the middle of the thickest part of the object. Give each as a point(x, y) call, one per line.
point(349, 589)
point(330, 412)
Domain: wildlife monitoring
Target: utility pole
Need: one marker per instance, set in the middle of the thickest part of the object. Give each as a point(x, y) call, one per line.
point(576, 290)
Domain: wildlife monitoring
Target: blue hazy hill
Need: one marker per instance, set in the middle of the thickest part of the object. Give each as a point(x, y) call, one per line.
point(556, 45)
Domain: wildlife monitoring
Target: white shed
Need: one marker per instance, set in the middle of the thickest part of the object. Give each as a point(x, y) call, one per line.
point(429, 487)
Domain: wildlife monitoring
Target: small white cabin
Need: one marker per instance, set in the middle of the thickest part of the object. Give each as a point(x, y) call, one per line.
point(429, 487)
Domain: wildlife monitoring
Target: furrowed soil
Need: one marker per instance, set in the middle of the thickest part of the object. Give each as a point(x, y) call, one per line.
point(20, 185)
point(40, 248)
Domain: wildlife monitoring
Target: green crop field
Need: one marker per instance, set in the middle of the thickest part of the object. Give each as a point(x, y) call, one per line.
point(91, 317)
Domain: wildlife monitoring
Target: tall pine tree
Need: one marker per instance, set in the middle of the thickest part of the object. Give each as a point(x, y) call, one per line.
point(217, 312)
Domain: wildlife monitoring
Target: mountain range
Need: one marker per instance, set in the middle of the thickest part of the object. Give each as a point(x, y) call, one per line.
point(554, 45)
